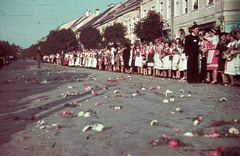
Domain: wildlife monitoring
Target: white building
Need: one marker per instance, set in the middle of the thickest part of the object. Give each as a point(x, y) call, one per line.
point(209, 13)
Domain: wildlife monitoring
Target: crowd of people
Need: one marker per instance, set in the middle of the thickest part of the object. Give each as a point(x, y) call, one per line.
point(210, 57)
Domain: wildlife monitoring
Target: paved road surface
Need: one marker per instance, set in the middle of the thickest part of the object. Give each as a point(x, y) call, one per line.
point(27, 98)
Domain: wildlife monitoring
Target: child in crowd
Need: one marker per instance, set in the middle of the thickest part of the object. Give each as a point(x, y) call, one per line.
point(144, 64)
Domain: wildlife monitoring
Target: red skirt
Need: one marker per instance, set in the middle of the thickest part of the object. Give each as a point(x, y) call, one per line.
point(212, 60)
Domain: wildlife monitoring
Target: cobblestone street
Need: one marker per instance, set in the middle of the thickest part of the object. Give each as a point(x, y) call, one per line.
point(124, 104)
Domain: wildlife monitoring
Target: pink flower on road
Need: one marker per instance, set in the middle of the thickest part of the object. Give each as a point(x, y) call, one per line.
point(150, 88)
point(89, 88)
point(176, 130)
point(95, 94)
point(235, 108)
point(158, 87)
point(84, 84)
point(64, 113)
point(124, 79)
point(95, 103)
point(173, 143)
point(38, 99)
point(58, 127)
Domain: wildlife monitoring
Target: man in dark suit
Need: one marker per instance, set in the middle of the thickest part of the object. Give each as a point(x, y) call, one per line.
point(39, 56)
point(192, 55)
point(126, 55)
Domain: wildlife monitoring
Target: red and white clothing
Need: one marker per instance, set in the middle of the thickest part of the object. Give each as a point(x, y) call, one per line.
point(230, 65)
point(212, 60)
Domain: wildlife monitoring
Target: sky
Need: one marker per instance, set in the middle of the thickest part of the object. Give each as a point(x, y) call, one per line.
point(24, 22)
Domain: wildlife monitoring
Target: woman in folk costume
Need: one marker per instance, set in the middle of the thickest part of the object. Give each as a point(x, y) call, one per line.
point(175, 60)
point(71, 59)
point(212, 60)
point(138, 60)
point(230, 63)
point(78, 61)
point(94, 59)
point(183, 61)
point(65, 63)
point(86, 59)
point(90, 58)
point(157, 60)
point(222, 47)
point(132, 59)
point(167, 63)
point(150, 57)
point(82, 56)
point(237, 62)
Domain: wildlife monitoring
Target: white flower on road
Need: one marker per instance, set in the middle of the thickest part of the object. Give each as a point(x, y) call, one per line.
point(189, 134)
point(116, 91)
point(181, 96)
point(154, 122)
point(169, 91)
point(172, 100)
point(165, 101)
point(195, 123)
point(233, 130)
point(81, 113)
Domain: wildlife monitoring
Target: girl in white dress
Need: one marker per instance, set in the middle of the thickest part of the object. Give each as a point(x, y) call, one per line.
point(167, 63)
point(138, 60)
point(230, 64)
point(175, 61)
point(71, 60)
point(77, 63)
point(94, 60)
point(157, 61)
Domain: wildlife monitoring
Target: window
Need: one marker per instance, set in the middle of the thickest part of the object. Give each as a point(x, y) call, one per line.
point(153, 7)
point(144, 13)
point(195, 5)
point(161, 8)
point(210, 2)
point(185, 6)
point(176, 9)
point(169, 9)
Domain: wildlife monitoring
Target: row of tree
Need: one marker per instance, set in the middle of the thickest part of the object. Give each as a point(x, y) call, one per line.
point(146, 30)
point(8, 49)
point(57, 41)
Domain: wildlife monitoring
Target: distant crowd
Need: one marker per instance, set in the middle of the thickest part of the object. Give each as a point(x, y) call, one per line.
point(218, 61)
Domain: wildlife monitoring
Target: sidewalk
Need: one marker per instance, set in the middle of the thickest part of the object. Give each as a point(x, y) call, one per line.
point(29, 94)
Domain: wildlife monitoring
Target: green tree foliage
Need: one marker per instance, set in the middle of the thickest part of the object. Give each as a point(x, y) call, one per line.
point(115, 34)
point(90, 37)
point(57, 41)
point(7, 49)
point(150, 28)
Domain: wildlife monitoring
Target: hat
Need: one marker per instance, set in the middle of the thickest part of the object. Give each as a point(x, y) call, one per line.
point(194, 25)
point(222, 33)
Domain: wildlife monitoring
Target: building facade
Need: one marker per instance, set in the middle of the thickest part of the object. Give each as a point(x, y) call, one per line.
point(180, 14)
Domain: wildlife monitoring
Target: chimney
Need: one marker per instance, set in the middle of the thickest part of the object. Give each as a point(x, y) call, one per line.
point(112, 5)
point(97, 12)
point(90, 12)
point(83, 14)
point(87, 13)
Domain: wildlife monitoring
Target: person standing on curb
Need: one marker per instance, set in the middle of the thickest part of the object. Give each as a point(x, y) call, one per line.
point(192, 54)
point(39, 56)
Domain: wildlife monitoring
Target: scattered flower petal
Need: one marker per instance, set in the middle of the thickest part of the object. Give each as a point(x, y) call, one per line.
point(165, 101)
point(87, 114)
point(195, 123)
point(171, 99)
point(223, 99)
point(64, 113)
point(189, 95)
point(116, 91)
point(168, 92)
point(86, 128)
point(176, 130)
point(154, 122)
point(189, 134)
point(235, 108)
point(95, 103)
point(89, 88)
point(38, 99)
point(81, 113)
point(158, 87)
point(181, 96)
point(173, 143)
point(233, 131)
point(134, 94)
point(95, 94)
point(150, 88)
